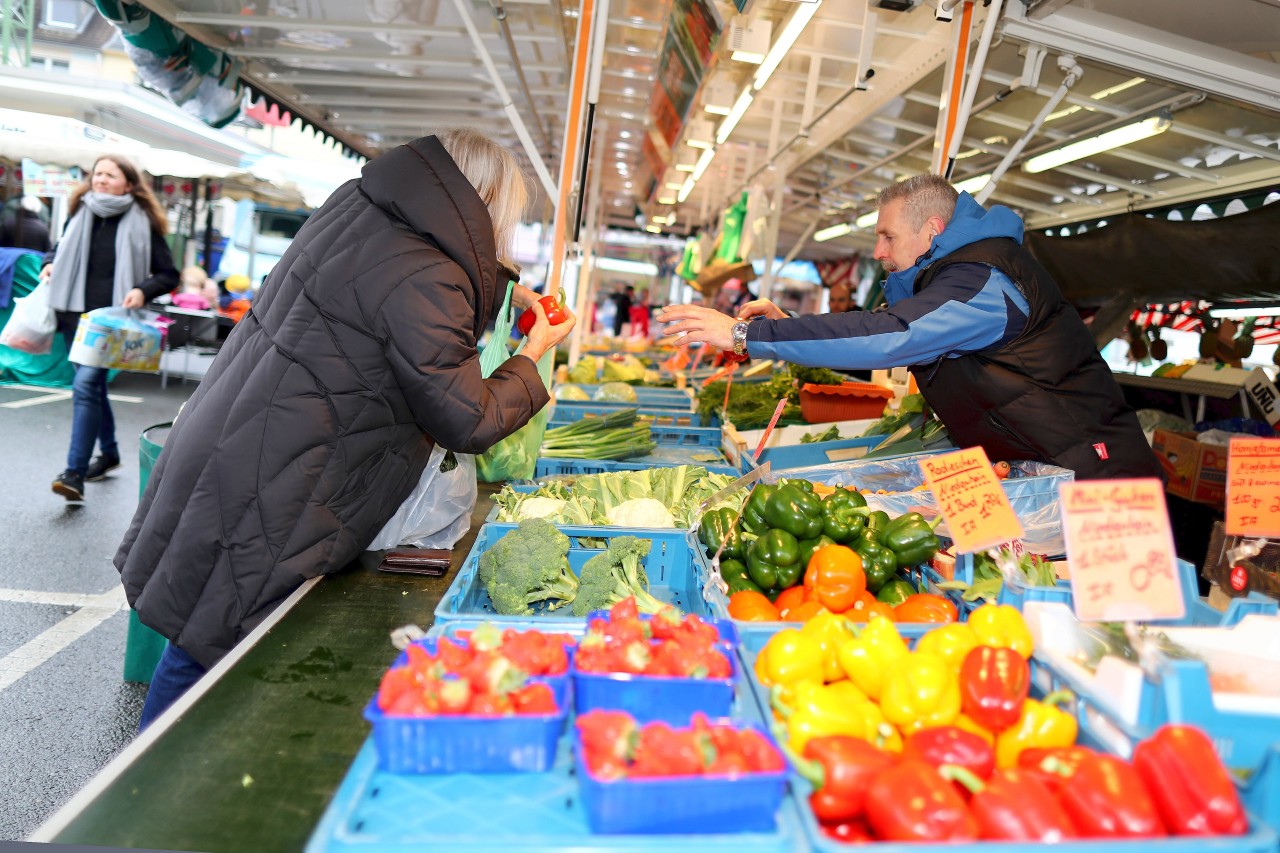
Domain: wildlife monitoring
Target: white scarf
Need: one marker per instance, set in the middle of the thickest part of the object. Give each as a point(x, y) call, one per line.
point(71, 263)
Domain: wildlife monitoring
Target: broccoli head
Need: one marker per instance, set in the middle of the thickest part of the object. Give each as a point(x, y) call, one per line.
point(616, 574)
point(528, 565)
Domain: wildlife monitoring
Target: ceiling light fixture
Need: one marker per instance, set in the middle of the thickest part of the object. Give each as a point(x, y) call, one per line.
point(1245, 312)
point(700, 134)
point(1119, 87)
point(666, 199)
point(735, 115)
point(831, 232)
point(1121, 136)
point(867, 220)
point(689, 184)
point(748, 41)
point(972, 185)
point(703, 162)
point(791, 31)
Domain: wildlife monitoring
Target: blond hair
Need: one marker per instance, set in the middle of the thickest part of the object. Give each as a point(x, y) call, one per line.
point(138, 188)
point(924, 196)
point(497, 177)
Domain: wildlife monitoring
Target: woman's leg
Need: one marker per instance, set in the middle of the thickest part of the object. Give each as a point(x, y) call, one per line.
point(88, 396)
point(107, 430)
point(174, 675)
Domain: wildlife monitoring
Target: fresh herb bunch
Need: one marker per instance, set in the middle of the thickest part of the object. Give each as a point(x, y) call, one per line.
point(751, 404)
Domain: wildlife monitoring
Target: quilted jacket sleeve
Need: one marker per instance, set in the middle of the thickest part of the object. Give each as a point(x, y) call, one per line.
point(429, 321)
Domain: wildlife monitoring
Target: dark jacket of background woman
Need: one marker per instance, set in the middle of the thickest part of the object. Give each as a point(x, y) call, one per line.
point(316, 419)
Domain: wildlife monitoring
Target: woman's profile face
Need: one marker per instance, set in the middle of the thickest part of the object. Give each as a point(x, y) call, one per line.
point(107, 178)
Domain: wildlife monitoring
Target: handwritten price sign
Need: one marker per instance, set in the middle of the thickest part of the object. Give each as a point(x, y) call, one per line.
point(1120, 549)
point(1253, 487)
point(971, 499)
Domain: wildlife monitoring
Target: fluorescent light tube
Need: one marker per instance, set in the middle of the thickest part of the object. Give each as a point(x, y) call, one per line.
point(689, 184)
point(1244, 313)
point(972, 185)
point(866, 220)
point(1117, 138)
point(666, 199)
point(652, 229)
point(832, 231)
point(624, 265)
point(790, 32)
point(703, 162)
point(735, 115)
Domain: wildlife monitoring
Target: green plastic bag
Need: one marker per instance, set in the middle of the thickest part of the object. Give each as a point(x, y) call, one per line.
point(516, 456)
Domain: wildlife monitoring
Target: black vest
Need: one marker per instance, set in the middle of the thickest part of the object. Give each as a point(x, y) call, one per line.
point(1045, 396)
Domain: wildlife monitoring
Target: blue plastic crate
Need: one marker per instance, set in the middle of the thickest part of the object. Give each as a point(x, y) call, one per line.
point(567, 412)
point(650, 697)
point(668, 435)
point(647, 396)
point(684, 804)
point(548, 466)
point(792, 456)
point(669, 565)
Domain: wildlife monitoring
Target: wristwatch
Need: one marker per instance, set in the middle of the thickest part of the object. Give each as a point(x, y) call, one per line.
point(740, 337)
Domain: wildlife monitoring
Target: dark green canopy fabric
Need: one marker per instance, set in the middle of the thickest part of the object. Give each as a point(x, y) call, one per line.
point(52, 368)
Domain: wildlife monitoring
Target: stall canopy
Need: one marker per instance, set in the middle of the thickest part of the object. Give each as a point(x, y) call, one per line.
point(55, 140)
point(850, 105)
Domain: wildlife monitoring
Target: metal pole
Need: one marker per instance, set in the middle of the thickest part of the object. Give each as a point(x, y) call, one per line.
point(504, 96)
point(975, 79)
point(952, 88)
point(500, 12)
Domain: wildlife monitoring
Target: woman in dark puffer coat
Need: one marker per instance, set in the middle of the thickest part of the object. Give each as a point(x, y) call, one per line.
point(316, 419)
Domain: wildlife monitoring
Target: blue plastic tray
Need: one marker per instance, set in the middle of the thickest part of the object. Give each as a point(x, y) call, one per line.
point(662, 457)
point(648, 396)
point(675, 805)
point(567, 412)
point(669, 565)
point(787, 457)
point(649, 698)
point(666, 435)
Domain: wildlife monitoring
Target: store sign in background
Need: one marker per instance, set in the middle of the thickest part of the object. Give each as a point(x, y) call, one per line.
point(1263, 394)
point(692, 35)
point(1120, 549)
point(1253, 487)
point(48, 181)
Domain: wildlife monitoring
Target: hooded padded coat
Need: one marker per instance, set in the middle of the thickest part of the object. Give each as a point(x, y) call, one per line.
point(315, 421)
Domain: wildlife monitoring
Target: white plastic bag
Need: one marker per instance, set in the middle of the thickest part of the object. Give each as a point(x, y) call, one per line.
point(32, 324)
point(438, 512)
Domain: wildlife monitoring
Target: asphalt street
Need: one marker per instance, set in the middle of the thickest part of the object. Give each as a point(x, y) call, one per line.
point(65, 709)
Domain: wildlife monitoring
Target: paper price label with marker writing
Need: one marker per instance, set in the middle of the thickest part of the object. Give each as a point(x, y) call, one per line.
point(1253, 487)
point(1120, 549)
point(971, 499)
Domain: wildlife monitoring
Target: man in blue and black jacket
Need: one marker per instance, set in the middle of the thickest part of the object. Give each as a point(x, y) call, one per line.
point(998, 353)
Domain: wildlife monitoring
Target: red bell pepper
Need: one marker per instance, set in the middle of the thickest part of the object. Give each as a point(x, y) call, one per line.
point(840, 768)
point(912, 802)
point(551, 305)
point(1054, 766)
point(848, 832)
point(1014, 806)
point(993, 686)
point(952, 746)
point(1193, 791)
point(1106, 799)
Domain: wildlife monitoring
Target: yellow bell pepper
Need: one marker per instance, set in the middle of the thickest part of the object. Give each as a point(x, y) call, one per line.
point(969, 724)
point(831, 632)
point(949, 642)
point(872, 654)
point(789, 656)
point(1042, 724)
point(811, 709)
point(921, 692)
point(1002, 626)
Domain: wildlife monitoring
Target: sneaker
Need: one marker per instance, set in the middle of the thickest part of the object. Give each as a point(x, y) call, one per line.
point(99, 467)
point(70, 485)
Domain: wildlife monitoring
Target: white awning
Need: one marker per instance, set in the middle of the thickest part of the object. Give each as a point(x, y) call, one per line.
point(60, 141)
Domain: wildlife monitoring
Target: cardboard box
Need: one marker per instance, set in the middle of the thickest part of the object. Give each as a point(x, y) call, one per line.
point(1196, 471)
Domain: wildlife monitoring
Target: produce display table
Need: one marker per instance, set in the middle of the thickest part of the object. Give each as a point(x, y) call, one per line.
point(1187, 388)
point(253, 763)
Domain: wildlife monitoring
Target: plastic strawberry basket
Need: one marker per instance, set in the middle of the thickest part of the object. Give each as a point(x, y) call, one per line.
point(669, 565)
point(559, 684)
point(682, 804)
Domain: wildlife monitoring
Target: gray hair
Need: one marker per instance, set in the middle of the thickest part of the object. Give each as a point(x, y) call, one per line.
point(497, 177)
point(924, 196)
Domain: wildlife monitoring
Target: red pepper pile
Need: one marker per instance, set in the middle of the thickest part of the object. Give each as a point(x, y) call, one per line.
point(665, 645)
point(944, 788)
point(614, 746)
point(486, 675)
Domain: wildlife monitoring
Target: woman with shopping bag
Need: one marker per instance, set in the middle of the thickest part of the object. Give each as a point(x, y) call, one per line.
point(112, 253)
point(319, 414)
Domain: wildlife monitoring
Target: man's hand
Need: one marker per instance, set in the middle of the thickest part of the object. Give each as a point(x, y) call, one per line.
point(697, 324)
point(761, 308)
point(543, 337)
point(134, 299)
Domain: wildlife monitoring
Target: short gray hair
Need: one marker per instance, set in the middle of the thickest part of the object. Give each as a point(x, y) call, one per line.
point(497, 177)
point(924, 196)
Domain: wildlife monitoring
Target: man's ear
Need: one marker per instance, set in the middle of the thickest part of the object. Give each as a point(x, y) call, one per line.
point(937, 225)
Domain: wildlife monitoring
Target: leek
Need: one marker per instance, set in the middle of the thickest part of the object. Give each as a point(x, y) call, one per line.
point(615, 436)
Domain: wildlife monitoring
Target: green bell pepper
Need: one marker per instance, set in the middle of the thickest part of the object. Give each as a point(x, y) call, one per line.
point(794, 510)
point(753, 519)
point(876, 523)
point(895, 592)
point(735, 575)
point(808, 546)
point(878, 563)
point(911, 539)
point(773, 560)
point(841, 520)
point(721, 525)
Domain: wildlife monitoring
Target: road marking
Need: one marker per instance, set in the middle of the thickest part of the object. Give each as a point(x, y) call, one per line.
point(95, 610)
point(55, 395)
point(56, 599)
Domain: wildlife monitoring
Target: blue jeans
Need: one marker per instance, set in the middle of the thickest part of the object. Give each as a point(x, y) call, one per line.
point(174, 675)
point(92, 420)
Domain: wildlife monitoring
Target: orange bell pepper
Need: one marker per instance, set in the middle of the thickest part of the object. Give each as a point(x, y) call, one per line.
point(834, 577)
point(789, 598)
point(751, 606)
point(924, 607)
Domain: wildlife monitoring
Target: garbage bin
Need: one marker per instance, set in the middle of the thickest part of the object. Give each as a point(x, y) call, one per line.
point(143, 646)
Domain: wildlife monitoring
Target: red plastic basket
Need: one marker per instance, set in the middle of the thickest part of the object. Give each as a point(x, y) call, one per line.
point(820, 404)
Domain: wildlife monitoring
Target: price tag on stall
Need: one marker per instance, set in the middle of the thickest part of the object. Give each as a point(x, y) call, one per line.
point(1253, 487)
point(1120, 549)
point(971, 499)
